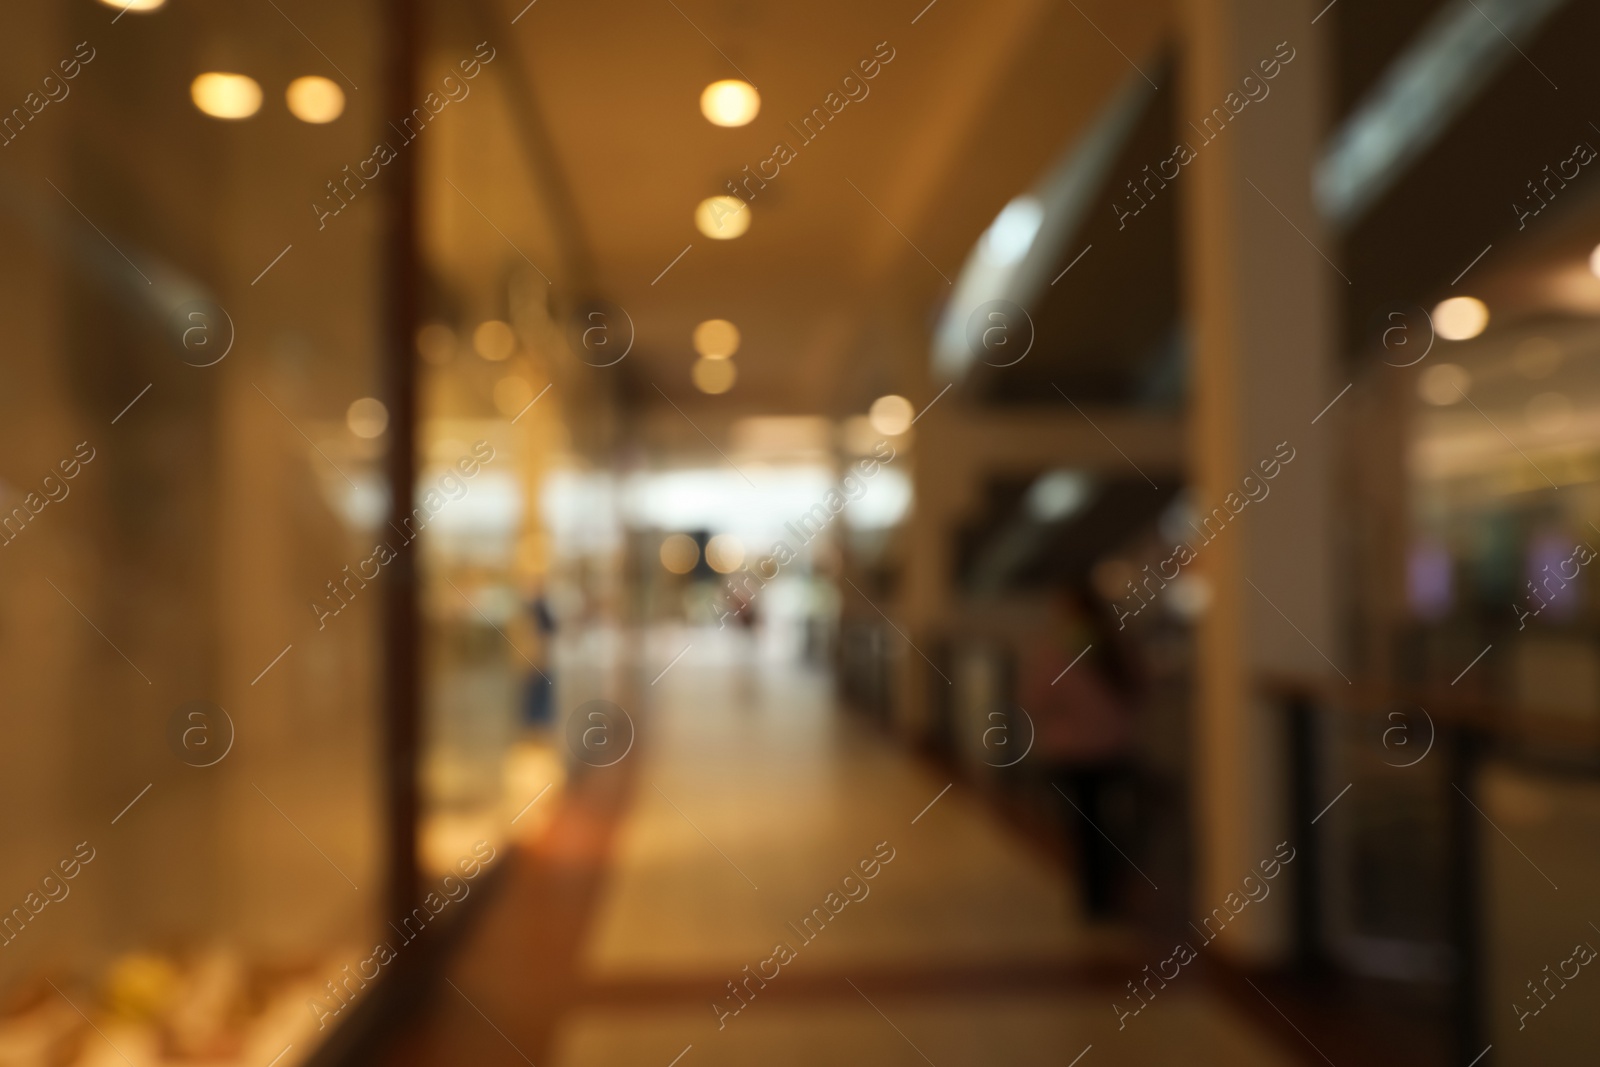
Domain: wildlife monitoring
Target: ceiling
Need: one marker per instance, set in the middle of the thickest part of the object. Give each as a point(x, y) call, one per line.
point(593, 117)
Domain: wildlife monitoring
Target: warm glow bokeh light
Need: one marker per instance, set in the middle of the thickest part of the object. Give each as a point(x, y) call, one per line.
point(891, 415)
point(730, 102)
point(314, 99)
point(1461, 318)
point(716, 338)
point(367, 417)
point(226, 96)
point(713, 376)
point(679, 553)
point(725, 553)
point(494, 340)
point(722, 218)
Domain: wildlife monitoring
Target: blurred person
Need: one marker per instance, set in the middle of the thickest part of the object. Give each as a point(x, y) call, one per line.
point(539, 688)
point(1078, 686)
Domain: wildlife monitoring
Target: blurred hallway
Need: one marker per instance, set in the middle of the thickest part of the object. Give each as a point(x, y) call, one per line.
point(680, 532)
point(612, 938)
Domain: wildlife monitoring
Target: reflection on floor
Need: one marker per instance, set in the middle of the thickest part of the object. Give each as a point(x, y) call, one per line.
point(750, 804)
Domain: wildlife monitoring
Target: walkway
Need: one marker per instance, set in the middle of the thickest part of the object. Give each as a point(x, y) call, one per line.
point(742, 810)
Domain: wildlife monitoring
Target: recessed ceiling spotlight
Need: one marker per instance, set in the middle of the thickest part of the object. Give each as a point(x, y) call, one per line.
point(1443, 384)
point(315, 99)
point(730, 102)
point(512, 394)
point(367, 417)
point(134, 5)
point(891, 415)
point(724, 552)
point(494, 340)
point(716, 338)
point(722, 218)
point(679, 553)
point(1461, 318)
point(713, 376)
point(226, 96)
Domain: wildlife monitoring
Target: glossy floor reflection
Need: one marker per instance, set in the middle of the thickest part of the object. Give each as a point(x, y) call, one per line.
point(748, 800)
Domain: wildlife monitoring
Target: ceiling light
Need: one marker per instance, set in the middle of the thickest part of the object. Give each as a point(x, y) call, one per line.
point(891, 415)
point(724, 552)
point(315, 99)
point(713, 376)
point(1443, 383)
point(730, 102)
point(367, 417)
point(1460, 318)
point(679, 553)
point(494, 340)
point(1594, 261)
point(511, 394)
point(722, 218)
point(716, 338)
point(134, 5)
point(226, 96)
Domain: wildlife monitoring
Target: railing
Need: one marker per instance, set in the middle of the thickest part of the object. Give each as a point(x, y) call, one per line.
point(1456, 734)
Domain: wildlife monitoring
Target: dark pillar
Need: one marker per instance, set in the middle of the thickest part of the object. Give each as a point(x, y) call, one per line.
point(401, 618)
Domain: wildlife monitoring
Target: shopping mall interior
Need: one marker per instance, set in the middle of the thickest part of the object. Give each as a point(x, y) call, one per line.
point(708, 532)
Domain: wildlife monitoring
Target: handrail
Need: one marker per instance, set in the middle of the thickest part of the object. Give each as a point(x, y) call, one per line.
point(1498, 719)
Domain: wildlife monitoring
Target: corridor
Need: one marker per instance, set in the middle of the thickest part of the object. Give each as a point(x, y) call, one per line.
point(662, 533)
point(749, 798)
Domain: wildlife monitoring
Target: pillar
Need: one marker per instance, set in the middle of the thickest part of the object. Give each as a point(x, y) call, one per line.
point(1259, 304)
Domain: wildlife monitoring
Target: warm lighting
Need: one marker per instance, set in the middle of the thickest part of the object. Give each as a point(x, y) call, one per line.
point(722, 218)
point(315, 99)
point(511, 394)
point(891, 415)
point(437, 343)
point(226, 96)
point(1594, 261)
point(134, 5)
point(1460, 318)
point(679, 553)
point(1443, 383)
point(494, 340)
point(730, 102)
point(713, 376)
point(725, 553)
point(716, 338)
point(367, 417)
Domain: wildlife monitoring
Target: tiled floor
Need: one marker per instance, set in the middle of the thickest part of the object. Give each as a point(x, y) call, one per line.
point(748, 801)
